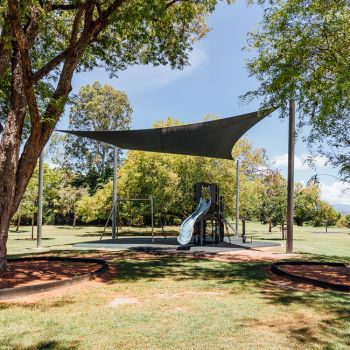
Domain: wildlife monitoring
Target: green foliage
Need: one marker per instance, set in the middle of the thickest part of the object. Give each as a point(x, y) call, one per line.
point(53, 180)
point(306, 201)
point(302, 53)
point(343, 222)
point(96, 207)
point(326, 215)
point(153, 32)
point(273, 207)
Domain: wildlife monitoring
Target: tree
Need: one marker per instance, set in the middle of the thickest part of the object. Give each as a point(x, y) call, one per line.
point(347, 218)
point(97, 206)
point(43, 43)
point(273, 208)
point(302, 54)
point(250, 199)
point(326, 215)
point(54, 179)
point(306, 201)
point(95, 108)
point(68, 200)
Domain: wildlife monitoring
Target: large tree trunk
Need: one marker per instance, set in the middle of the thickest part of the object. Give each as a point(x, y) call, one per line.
point(9, 154)
point(16, 172)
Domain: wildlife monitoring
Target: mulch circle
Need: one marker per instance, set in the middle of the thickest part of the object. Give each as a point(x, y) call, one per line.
point(37, 274)
point(328, 275)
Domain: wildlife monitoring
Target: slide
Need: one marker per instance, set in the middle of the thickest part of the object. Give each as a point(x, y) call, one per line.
point(186, 229)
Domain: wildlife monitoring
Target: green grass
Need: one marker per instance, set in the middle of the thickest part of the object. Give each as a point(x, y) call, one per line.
point(311, 240)
point(182, 303)
point(306, 239)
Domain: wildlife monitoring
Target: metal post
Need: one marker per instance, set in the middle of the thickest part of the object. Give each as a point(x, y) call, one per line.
point(152, 207)
point(117, 217)
point(244, 238)
point(237, 197)
point(290, 200)
point(40, 200)
point(114, 199)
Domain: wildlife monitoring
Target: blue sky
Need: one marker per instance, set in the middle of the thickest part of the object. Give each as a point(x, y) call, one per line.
point(212, 84)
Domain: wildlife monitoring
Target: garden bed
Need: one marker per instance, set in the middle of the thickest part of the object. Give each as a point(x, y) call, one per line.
point(38, 274)
point(320, 274)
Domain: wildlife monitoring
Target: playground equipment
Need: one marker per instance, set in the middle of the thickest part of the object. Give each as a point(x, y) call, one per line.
point(209, 214)
point(187, 227)
point(150, 200)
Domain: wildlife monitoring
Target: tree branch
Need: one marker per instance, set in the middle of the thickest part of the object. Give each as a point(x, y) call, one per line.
point(14, 19)
point(4, 48)
point(39, 136)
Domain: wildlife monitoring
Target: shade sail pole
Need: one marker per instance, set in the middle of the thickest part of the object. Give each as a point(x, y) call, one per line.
point(290, 200)
point(114, 199)
point(237, 196)
point(40, 200)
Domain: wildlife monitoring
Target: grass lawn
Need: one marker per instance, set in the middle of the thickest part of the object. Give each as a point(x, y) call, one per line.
point(181, 303)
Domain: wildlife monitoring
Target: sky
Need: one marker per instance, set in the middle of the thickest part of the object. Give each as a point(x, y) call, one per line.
point(212, 84)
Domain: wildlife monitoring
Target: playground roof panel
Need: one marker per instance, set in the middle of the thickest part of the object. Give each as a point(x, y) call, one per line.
point(213, 139)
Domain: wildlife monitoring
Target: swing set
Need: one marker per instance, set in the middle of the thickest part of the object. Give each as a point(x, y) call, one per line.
point(150, 200)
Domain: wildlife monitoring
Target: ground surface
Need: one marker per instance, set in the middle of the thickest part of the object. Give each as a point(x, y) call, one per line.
point(155, 301)
point(23, 273)
point(332, 274)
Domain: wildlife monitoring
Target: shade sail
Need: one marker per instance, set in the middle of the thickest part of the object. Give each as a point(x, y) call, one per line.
point(213, 139)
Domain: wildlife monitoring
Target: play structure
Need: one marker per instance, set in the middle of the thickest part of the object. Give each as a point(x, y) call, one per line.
point(206, 224)
point(214, 139)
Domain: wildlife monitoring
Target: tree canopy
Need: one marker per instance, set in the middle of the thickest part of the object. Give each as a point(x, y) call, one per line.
point(302, 54)
point(42, 45)
point(95, 108)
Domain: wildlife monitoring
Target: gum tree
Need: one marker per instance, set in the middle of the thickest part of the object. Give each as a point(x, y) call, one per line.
point(43, 43)
point(96, 108)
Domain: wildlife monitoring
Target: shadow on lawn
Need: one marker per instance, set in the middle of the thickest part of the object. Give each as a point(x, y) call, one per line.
point(181, 268)
point(43, 345)
point(331, 329)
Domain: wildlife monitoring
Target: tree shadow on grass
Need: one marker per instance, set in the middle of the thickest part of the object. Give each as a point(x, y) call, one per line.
point(331, 329)
point(42, 345)
point(182, 268)
point(33, 239)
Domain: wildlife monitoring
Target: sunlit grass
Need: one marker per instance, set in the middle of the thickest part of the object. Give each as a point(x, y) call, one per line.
point(182, 303)
point(306, 239)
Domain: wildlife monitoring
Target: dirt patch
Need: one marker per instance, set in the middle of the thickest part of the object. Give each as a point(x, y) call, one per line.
point(331, 274)
point(252, 255)
point(122, 300)
point(287, 284)
point(24, 273)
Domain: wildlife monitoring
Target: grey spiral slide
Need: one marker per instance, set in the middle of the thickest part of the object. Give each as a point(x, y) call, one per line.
point(186, 229)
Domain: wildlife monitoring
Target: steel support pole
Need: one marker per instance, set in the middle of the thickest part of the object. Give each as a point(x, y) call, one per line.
point(152, 221)
point(114, 199)
point(40, 201)
point(290, 200)
point(237, 197)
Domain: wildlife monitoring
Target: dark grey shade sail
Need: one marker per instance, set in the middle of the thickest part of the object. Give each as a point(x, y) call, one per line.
point(214, 139)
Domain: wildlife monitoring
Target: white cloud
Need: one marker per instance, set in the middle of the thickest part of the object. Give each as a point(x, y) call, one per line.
point(337, 192)
point(299, 161)
point(148, 77)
